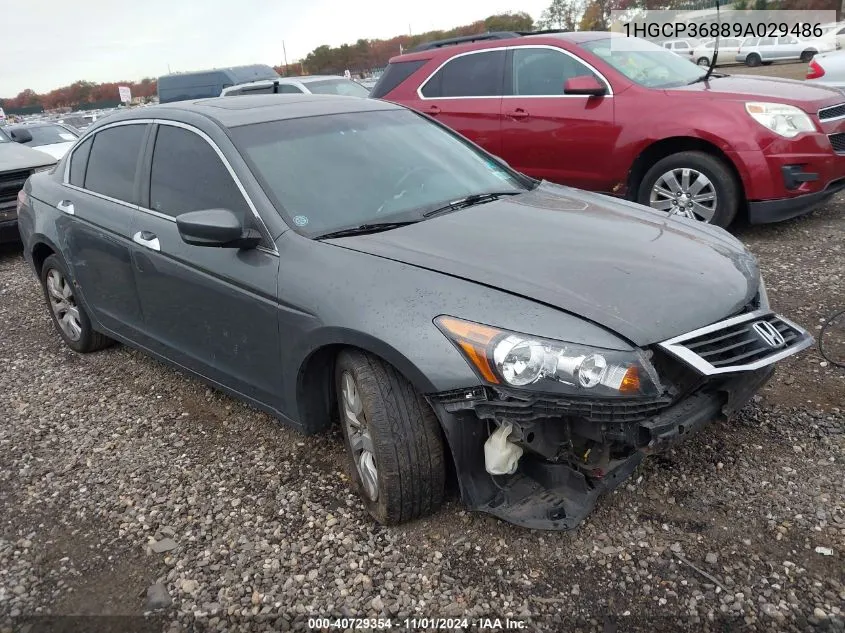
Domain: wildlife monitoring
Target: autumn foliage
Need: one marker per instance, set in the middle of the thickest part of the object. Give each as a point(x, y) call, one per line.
point(78, 94)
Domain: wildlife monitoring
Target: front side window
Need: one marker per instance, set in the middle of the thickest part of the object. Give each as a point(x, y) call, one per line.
point(543, 71)
point(78, 163)
point(327, 173)
point(113, 161)
point(645, 63)
point(188, 175)
point(473, 75)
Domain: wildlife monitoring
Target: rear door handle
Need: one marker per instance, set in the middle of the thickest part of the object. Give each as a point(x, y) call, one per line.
point(518, 113)
point(434, 110)
point(147, 240)
point(66, 206)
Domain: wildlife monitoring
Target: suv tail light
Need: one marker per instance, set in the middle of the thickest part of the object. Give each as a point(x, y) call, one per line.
point(814, 71)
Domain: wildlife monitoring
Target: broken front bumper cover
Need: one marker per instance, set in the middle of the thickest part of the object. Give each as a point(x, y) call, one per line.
point(553, 488)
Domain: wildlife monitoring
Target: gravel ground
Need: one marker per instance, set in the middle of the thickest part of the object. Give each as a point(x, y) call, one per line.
point(124, 485)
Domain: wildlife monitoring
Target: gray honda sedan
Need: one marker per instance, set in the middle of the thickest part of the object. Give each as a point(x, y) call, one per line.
point(342, 259)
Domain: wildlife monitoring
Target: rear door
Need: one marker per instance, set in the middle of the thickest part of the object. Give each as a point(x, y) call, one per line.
point(465, 93)
point(547, 134)
point(100, 202)
point(768, 49)
point(212, 310)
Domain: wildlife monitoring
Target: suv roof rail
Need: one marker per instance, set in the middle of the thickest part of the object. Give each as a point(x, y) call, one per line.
point(494, 35)
point(543, 32)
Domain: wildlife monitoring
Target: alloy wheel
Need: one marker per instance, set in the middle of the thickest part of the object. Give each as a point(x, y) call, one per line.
point(63, 303)
point(687, 192)
point(358, 433)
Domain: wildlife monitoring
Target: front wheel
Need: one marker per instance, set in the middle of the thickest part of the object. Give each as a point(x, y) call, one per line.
point(753, 60)
point(694, 185)
point(392, 437)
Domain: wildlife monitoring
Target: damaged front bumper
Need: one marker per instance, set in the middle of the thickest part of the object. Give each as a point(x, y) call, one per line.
point(574, 449)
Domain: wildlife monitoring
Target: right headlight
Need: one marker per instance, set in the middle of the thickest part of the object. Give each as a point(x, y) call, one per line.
point(786, 120)
point(531, 362)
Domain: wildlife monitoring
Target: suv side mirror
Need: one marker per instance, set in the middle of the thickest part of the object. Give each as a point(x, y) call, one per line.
point(20, 135)
point(584, 85)
point(215, 227)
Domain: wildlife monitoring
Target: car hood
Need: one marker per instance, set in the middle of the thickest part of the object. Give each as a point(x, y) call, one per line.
point(14, 156)
point(56, 150)
point(637, 272)
point(806, 96)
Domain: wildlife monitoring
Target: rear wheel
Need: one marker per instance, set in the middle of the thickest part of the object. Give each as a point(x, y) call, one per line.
point(392, 439)
point(753, 60)
point(68, 315)
point(692, 184)
point(807, 56)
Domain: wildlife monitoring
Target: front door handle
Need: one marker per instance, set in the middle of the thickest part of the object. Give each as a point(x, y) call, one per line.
point(518, 113)
point(147, 239)
point(66, 206)
point(433, 110)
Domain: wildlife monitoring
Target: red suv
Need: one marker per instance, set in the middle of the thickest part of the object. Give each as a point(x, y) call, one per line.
point(627, 117)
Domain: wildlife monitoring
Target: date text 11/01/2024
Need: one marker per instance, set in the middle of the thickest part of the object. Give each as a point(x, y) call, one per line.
point(412, 624)
point(674, 30)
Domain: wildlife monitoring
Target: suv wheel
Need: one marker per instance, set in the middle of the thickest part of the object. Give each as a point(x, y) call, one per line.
point(692, 184)
point(392, 439)
point(753, 60)
point(68, 315)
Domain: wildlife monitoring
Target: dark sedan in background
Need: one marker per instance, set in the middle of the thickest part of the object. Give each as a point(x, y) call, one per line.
point(333, 257)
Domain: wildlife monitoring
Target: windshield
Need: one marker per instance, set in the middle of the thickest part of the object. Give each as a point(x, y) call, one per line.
point(345, 87)
point(329, 173)
point(49, 134)
point(645, 63)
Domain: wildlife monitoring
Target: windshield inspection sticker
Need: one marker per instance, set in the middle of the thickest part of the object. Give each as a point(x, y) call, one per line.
point(300, 220)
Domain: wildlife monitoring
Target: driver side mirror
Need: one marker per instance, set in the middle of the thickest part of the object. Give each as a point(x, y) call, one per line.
point(20, 135)
point(216, 227)
point(584, 85)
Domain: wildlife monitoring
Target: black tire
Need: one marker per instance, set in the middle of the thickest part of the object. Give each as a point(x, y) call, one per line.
point(807, 56)
point(724, 182)
point(753, 60)
point(703, 61)
point(89, 339)
point(407, 442)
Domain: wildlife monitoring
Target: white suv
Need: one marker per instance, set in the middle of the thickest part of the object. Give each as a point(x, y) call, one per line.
point(312, 84)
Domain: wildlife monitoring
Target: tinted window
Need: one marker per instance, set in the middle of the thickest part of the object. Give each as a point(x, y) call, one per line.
point(78, 162)
point(474, 75)
point(395, 74)
point(542, 71)
point(188, 175)
point(289, 89)
point(114, 156)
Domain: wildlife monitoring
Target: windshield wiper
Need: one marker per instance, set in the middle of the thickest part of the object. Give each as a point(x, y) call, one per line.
point(471, 200)
point(706, 77)
point(364, 229)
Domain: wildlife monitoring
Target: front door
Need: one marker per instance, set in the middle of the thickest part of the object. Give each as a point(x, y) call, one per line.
point(212, 310)
point(547, 134)
point(99, 200)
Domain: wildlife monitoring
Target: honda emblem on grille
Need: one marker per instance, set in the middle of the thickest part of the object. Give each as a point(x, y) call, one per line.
point(768, 334)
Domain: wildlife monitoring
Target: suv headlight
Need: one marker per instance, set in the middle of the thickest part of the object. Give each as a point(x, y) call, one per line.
point(531, 362)
point(786, 120)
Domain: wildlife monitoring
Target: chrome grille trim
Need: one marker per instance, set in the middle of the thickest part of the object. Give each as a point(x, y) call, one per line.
point(703, 349)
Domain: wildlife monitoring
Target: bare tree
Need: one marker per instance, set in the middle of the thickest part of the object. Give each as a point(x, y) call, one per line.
point(562, 14)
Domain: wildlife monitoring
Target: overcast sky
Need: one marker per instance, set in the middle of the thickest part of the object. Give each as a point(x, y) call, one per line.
point(50, 44)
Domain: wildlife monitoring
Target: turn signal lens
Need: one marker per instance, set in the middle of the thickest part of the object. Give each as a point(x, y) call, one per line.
point(473, 339)
point(814, 70)
point(631, 381)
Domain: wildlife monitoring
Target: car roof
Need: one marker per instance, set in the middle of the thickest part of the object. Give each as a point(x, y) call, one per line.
point(304, 79)
point(574, 37)
point(249, 109)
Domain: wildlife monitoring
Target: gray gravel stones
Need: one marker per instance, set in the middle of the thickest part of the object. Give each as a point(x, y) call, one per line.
point(108, 459)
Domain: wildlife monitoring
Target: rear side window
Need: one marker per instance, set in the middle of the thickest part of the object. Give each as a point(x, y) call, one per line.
point(767, 41)
point(78, 163)
point(188, 175)
point(394, 75)
point(473, 75)
point(113, 161)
